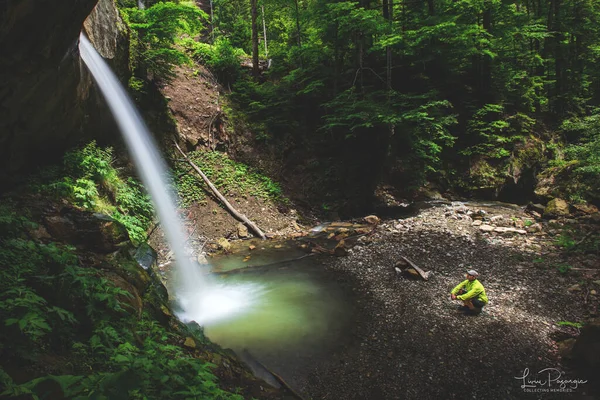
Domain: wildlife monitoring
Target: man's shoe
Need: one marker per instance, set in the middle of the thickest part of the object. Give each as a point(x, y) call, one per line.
point(462, 308)
point(475, 311)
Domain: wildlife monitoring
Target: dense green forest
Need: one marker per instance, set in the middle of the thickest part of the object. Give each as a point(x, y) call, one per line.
point(476, 97)
point(479, 96)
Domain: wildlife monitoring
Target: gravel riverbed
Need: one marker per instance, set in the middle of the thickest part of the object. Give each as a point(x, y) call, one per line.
point(410, 342)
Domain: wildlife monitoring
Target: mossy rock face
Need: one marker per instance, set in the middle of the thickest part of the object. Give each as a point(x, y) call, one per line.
point(556, 208)
point(96, 232)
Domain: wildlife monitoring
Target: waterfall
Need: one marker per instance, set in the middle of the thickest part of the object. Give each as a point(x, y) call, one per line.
point(141, 4)
point(150, 165)
point(200, 299)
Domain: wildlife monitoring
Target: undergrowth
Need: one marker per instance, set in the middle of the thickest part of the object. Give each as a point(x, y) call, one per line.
point(67, 330)
point(89, 180)
point(228, 176)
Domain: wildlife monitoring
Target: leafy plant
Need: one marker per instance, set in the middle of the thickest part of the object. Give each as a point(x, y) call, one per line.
point(51, 304)
point(156, 30)
point(577, 325)
point(90, 180)
point(566, 241)
point(564, 268)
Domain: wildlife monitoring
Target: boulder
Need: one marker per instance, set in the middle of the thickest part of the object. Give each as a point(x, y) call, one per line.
point(95, 232)
point(46, 104)
point(556, 208)
point(145, 256)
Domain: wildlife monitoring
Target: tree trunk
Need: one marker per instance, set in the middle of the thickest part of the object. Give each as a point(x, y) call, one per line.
point(486, 65)
point(298, 24)
point(430, 7)
point(212, 22)
point(254, 11)
point(554, 46)
point(265, 32)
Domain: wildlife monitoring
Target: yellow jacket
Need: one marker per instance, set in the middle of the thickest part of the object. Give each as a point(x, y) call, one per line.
point(473, 290)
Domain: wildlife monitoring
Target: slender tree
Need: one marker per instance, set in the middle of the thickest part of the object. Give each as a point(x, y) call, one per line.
point(254, 13)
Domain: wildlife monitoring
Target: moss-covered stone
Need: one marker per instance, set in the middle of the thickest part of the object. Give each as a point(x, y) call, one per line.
point(556, 208)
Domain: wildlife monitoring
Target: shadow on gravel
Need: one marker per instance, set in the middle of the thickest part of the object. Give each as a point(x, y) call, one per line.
point(412, 343)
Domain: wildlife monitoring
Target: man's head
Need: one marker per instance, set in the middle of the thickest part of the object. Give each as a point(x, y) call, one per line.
point(472, 274)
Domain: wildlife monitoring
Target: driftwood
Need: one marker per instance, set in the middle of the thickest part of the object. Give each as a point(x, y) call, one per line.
point(212, 187)
point(423, 274)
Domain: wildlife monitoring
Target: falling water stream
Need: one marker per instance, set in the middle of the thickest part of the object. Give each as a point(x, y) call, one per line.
point(198, 299)
point(288, 316)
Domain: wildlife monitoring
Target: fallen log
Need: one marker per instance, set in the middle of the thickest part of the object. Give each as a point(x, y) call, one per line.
point(423, 274)
point(212, 187)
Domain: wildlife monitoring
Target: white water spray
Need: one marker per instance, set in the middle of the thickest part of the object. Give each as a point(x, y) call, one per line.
point(199, 300)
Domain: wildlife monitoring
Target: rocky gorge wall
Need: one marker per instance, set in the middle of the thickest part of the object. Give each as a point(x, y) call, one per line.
point(47, 100)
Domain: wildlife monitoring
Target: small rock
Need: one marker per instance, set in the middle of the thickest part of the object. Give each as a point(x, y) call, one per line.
point(190, 342)
point(536, 208)
point(556, 207)
point(509, 230)
point(486, 228)
point(242, 230)
point(535, 228)
point(593, 292)
point(497, 218)
point(340, 250)
point(224, 244)
point(586, 208)
point(372, 219)
point(477, 222)
point(574, 288)
point(251, 247)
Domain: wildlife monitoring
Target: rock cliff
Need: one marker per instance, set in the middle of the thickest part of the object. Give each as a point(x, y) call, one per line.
point(47, 101)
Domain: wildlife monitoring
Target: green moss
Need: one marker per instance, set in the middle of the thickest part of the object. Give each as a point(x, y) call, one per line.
point(228, 176)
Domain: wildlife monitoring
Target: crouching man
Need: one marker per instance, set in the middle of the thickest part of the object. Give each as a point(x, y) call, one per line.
point(471, 292)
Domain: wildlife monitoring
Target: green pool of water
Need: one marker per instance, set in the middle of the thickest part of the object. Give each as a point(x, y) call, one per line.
point(287, 315)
